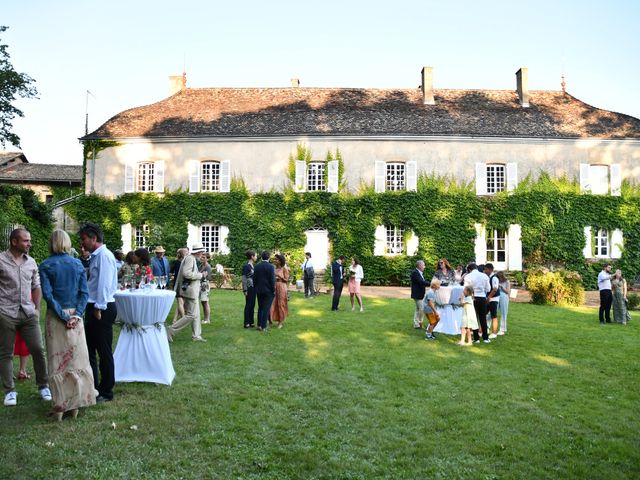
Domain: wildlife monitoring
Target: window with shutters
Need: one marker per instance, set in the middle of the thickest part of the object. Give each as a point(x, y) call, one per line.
point(496, 178)
point(395, 176)
point(601, 179)
point(496, 246)
point(144, 177)
point(602, 248)
point(210, 237)
point(140, 235)
point(210, 177)
point(394, 243)
point(315, 177)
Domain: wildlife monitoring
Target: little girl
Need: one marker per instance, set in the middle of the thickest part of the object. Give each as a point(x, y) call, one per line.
point(469, 321)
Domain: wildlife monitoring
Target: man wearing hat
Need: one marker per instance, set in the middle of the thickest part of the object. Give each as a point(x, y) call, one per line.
point(159, 263)
point(187, 286)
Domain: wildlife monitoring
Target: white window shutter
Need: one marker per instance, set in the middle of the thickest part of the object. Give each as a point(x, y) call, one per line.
point(412, 176)
point(585, 182)
point(224, 234)
point(193, 235)
point(412, 244)
point(615, 175)
point(380, 174)
point(126, 233)
point(129, 177)
point(512, 176)
point(514, 248)
point(194, 176)
point(158, 176)
point(587, 251)
point(616, 243)
point(380, 243)
point(333, 176)
point(301, 176)
point(481, 178)
point(225, 176)
point(480, 248)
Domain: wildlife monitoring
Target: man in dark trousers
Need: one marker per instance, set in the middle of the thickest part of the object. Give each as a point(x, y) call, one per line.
point(418, 288)
point(264, 282)
point(337, 278)
point(248, 288)
point(308, 275)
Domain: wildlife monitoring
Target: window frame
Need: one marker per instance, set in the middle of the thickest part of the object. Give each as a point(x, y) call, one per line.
point(145, 171)
point(140, 231)
point(211, 245)
point(599, 245)
point(213, 184)
point(389, 174)
point(492, 186)
point(394, 240)
point(316, 176)
point(492, 254)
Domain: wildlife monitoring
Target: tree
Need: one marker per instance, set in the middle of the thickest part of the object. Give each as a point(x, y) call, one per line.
point(12, 85)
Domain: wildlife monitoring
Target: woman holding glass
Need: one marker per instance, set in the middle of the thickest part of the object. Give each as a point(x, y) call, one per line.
point(64, 288)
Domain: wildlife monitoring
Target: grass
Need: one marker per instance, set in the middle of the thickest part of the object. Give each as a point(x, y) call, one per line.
point(350, 395)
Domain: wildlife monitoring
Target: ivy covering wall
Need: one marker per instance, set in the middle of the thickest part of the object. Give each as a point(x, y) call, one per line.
point(551, 212)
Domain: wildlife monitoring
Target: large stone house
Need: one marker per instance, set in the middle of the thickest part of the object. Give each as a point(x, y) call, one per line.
point(198, 139)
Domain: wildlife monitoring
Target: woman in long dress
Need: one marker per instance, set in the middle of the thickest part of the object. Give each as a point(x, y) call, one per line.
point(356, 274)
point(619, 287)
point(64, 288)
point(280, 305)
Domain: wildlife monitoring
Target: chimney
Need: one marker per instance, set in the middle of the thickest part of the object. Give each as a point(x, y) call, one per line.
point(522, 81)
point(295, 82)
point(177, 83)
point(427, 86)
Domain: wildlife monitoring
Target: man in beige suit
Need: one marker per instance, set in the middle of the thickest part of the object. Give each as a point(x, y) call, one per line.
point(187, 286)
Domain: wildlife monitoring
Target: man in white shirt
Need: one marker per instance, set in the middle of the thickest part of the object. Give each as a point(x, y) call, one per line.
point(308, 274)
point(480, 284)
point(604, 285)
point(100, 314)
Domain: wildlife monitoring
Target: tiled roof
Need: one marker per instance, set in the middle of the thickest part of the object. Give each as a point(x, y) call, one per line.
point(42, 173)
point(221, 112)
point(6, 157)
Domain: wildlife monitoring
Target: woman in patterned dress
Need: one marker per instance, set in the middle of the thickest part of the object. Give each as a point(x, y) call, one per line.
point(280, 305)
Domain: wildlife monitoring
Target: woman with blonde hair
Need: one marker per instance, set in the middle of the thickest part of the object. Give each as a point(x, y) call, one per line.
point(64, 288)
point(619, 304)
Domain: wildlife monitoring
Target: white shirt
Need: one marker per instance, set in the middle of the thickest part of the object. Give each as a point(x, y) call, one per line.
point(103, 277)
point(358, 272)
point(479, 282)
point(308, 263)
point(604, 280)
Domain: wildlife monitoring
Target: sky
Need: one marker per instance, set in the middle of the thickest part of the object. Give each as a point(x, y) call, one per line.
point(124, 51)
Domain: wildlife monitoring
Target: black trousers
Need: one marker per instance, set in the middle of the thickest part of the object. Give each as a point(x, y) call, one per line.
point(264, 306)
point(99, 335)
point(308, 285)
point(249, 306)
point(480, 306)
point(606, 298)
point(337, 293)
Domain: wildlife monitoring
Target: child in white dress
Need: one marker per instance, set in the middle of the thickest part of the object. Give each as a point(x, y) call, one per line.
point(469, 320)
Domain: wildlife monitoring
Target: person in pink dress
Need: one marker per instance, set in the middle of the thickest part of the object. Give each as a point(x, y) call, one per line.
point(356, 274)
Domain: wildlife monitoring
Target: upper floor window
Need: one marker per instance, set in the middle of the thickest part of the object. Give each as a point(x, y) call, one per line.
point(492, 178)
point(140, 235)
point(315, 177)
point(209, 176)
point(396, 176)
point(144, 176)
point(601, 179)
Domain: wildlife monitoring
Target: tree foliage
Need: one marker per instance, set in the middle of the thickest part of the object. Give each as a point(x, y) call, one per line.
point(12, 86)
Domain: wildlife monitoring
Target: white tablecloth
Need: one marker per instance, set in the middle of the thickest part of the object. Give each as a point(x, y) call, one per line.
point(450, 318)
point(142, 353)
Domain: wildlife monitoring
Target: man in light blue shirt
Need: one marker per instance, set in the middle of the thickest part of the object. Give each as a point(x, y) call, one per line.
point(101, 309)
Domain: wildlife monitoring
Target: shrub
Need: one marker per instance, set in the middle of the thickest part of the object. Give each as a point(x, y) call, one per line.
point(634, 301)
point(236, 282)
point(561, 287)
point(217, 279)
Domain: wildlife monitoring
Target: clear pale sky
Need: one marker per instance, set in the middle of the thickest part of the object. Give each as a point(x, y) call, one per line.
point(123, 52)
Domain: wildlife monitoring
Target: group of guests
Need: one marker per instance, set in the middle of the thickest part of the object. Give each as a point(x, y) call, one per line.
point(613, 293)
point(485, 293)
point(78, 321)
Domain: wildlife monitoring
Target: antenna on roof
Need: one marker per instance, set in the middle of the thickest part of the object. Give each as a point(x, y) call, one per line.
point(184, 70)
point(563, 84)
point(86, 112)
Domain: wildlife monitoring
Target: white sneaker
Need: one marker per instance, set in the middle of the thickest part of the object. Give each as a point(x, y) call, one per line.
point(45, 394)
point(501, 332)
point(493, 335)
point(11, 399)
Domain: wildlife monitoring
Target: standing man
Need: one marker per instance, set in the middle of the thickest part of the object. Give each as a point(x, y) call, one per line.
point(101, 309)
point(604, 285)
point(20, 296)
point(187, 286)
point(264, 279)
point(308, 274)
point(248, 289)
point(160, 263)
point(337, 278)
point(493, 298)
point(480, 284)
point(418, 288)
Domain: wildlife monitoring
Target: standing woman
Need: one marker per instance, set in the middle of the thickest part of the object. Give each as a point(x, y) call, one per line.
point(64, 287)
point(205, 287)
point(280, 305)
point(356, 276)
point(503, 302)
point(180, 254)
point(619, 287)
point(445, 273)
point(128, 268)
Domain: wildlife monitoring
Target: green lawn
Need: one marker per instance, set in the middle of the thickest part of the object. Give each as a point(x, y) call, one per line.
point(357, 395)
